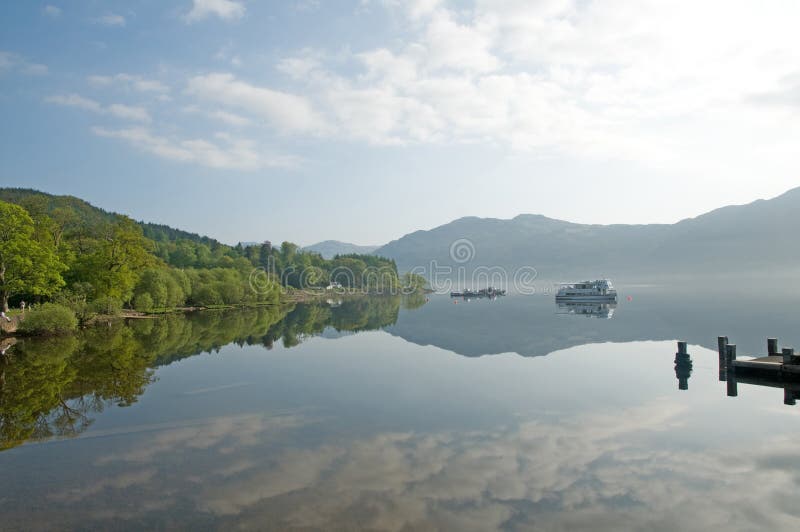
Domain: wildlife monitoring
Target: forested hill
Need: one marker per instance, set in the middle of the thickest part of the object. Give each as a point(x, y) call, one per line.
point(62, 249)
point(175, 247)
point(87, 213)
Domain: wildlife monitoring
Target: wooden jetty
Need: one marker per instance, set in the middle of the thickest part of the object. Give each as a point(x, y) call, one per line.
point(780, 364)
point(776, 369)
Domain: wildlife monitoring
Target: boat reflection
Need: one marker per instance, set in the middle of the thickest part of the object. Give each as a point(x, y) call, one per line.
point(604, 310)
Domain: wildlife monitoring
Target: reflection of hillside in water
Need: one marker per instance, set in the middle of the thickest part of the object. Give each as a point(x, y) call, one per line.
point(51, 387)
point(533, 326)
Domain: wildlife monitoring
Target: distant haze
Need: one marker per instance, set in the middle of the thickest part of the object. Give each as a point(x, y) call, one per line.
point(329, 248)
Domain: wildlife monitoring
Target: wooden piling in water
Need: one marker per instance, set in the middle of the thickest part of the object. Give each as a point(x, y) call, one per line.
point(788, 355)
point(683, 366)
point(772, 347)
point(730, 369)
point(722, 342)
point(730, 356)
point(788, 397)
point(733, 388)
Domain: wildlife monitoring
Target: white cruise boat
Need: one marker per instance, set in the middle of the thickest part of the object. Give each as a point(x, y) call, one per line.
point(600, 290)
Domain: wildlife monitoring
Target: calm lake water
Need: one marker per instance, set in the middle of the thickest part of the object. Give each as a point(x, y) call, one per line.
point(381, 414)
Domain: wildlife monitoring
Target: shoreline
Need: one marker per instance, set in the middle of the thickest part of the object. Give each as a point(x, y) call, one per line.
point(295, 296)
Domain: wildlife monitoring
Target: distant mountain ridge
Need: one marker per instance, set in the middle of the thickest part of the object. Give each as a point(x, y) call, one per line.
point(330, 248)
point(739, 238)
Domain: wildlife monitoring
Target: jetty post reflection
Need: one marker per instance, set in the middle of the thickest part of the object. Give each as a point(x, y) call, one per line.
point(683, 366)
point(730, 370)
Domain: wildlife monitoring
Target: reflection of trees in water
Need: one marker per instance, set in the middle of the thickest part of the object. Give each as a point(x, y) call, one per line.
point(50, 387)
point(355, 315)
point(414, 301)
point(33, 402)
point(366, 314)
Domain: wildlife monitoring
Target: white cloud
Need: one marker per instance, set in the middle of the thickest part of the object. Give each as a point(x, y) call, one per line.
point(110, 19)
point(681, 86)
point(9, 61)
point(229, 153)
point(656, 82)
point(459, 47)
point(126, 112)
point(230, 118)
point(35, 69)
point(129, 81)
point(224, 9)
point(306, 5)
point(592, 471)
point(225, 117)
point(287, 112)
point(51, 11)
point(75, 100)
point(226, 54)
point(301, 65)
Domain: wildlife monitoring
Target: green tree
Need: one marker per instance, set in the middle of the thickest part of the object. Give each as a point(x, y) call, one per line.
point(26, 265)
point(115, 260)
point(206, 295)
point(288, 251)
point(153, 282)
point(178, 288)
point(143, 302)
point(184, 255)
point(264, 253)
point(205, 259)
point(412, 283)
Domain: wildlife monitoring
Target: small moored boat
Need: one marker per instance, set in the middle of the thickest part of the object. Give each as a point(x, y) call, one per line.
point(490, 292)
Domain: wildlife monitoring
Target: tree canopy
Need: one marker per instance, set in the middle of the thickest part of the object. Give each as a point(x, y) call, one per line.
point(27, 265)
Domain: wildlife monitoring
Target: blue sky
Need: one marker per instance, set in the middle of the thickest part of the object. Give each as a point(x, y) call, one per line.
point(365, 120)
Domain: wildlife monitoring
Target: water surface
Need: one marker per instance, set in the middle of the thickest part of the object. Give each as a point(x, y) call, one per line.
point(379, 414)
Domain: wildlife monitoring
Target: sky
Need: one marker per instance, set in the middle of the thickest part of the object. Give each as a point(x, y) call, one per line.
point(364, 120)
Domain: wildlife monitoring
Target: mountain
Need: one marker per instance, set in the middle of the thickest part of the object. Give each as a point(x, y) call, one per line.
point(742, 238)
point(330, 248)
